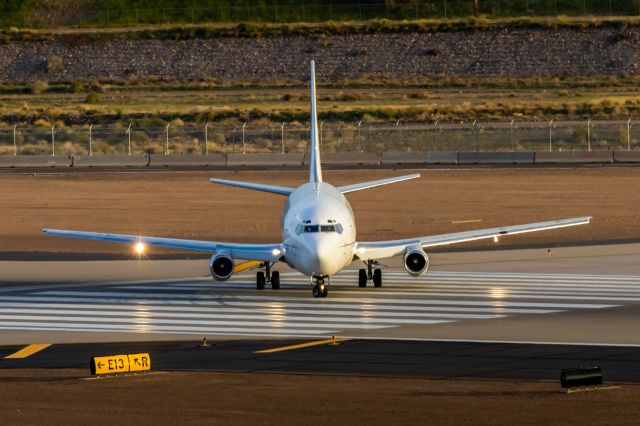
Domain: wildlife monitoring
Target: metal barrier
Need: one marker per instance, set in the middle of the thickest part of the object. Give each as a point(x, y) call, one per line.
point(559, 157)
point(496, 157)
point(110, 160)
point(35, 161)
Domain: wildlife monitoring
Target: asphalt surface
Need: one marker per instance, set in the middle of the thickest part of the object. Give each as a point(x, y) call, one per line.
point(446, 360)
point(499, 314)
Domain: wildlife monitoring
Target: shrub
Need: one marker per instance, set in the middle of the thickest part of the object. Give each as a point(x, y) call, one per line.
point(53, 64)
point(93, 98)
point(77, 86)
point(39, 86)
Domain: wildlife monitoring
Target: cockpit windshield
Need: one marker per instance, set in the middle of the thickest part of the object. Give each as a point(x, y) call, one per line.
point(319, 228)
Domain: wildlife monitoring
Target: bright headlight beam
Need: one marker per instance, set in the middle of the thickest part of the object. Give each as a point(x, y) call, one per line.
point(276, 252)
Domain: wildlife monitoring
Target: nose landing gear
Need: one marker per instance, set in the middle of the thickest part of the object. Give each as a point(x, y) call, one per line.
point(370, 274)
point(264, 277)
point(320, 289)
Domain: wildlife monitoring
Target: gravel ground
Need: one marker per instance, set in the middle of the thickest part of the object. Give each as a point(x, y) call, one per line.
point(504, 52)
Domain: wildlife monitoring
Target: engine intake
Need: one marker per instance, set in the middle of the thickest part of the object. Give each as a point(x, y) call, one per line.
point(221, 266)
point(416, 262)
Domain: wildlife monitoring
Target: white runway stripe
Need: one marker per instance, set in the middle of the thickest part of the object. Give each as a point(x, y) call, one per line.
point(161, 310)
point(27, 325)
point(365, 299)
point(304, 307)
point(426, 287)
point(221, 316)
point(201, 306)
point(143, 322)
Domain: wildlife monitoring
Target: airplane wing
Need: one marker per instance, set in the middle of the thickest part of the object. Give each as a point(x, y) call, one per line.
point(262, 252)
point(280, 190)
point(383, 249)
point(374, 183)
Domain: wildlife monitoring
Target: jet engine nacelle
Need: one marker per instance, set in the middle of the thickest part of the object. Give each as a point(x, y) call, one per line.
point(221, 266)
point(416, 262)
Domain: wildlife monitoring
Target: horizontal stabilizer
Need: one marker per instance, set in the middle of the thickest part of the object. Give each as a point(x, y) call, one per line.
point(282, 190)
point(374, 183)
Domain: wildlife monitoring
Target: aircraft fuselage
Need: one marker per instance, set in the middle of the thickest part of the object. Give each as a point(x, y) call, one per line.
point(318, 230)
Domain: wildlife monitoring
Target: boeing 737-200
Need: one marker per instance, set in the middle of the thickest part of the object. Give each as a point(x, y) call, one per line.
point(318, 232)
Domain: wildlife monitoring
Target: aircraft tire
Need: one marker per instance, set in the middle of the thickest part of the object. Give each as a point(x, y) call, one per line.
point(362, 278)
point(260, 280)
point(275, 280)
point(316, 291)
point(377, 277)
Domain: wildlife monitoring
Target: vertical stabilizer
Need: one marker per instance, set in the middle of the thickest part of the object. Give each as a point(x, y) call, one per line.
point(315, 171)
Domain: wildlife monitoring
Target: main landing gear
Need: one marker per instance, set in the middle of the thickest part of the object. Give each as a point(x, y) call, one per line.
point(266, 276)
point(320, 289)
point(370, 274)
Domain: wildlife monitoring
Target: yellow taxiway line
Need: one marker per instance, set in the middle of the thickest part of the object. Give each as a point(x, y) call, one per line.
point(333, 341)
point(28, 350)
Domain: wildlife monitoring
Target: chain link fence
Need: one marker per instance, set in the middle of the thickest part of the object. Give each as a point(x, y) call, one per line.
point(271, 12)
point(435, 136)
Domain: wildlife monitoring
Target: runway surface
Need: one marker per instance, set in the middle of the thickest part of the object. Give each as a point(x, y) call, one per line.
point(480, 314)
point(441, 305)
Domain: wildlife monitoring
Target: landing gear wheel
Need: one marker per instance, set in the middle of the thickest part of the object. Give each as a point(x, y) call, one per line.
point(319, 290)
point(275, 280)
point(377, 277)
point(260, 280)
point(362, 278)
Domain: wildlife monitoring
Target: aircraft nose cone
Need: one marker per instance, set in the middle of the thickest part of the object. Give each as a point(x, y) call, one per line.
point(325, 257)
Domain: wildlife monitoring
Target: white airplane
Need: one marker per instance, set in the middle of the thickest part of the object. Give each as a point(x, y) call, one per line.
point(318, 232)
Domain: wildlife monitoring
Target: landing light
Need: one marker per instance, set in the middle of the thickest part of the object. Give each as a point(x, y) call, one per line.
point(139, 247)
point(276, 252)
point(495, 239)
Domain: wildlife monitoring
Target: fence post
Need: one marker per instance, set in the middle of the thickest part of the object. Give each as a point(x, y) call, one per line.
point(53, 140)
point(589, 134)
point(128, 132)
point(243, 145)
point(550, 127)
point(166, 144)
point(628, 134)
point(206, 139)
point(15, 145)
point(359, 140)
point(511, 134)
point(90, 141)
point(282, 137)
point(445, 9)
